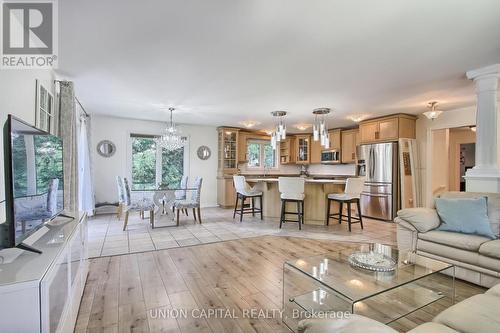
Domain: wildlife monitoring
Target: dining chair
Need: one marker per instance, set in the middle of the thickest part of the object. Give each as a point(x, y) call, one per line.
point(140, 206)
point(121, 197)
point(292, 190)
point(244, 191)
point(181, 194)
point(193, 202)
point(351, 195)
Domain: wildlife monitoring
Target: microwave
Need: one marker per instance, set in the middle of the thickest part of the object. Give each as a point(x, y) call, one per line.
point(330, 156)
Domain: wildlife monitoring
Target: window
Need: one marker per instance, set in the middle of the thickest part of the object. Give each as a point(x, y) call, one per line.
point(44, 117)
point(153, 166)
point(261, 155)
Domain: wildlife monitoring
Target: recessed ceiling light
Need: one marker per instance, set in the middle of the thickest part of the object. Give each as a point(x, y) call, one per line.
point(249, 123)
point(268, 131)
point(302, 127)
point(357, 117)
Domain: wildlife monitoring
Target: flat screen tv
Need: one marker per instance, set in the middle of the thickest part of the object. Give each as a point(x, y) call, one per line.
point(33, 180)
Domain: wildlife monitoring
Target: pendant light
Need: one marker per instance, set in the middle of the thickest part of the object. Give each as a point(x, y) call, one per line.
point(320, 128)
point(432, 113)
point(279, 132)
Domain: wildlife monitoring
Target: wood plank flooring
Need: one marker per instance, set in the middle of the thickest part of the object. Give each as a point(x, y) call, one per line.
point(124, 293)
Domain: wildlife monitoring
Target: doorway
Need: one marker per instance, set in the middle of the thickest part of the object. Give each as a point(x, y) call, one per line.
point(467, 161)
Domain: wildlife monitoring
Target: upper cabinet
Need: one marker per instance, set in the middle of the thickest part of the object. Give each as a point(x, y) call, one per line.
point(242, 146)
point(335, 139)
point(303, 149)
point(388, 128)
point(349, 142)
point(228, 150)
point(287, 150)
point(316, 149)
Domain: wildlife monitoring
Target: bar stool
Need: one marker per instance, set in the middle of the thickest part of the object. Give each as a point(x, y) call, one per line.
point(352, 193)
point(244, 191)
point(292, 190)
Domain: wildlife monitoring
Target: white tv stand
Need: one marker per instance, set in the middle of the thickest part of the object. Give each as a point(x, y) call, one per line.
point(42, 292)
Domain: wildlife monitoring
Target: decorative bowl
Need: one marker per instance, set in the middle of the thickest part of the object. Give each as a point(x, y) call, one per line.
point(372, 261)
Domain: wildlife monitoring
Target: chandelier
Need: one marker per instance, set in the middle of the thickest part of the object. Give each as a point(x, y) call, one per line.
point(320, 129)
point(279, 132)
point(172, 139)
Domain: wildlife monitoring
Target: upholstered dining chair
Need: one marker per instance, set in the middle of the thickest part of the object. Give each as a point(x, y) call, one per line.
point(139, 206)
point(244, 191)
point(193, 202)
point(121, 197)
point(181, 194)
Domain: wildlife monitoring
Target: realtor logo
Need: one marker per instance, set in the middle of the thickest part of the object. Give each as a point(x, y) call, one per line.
point(29, 34)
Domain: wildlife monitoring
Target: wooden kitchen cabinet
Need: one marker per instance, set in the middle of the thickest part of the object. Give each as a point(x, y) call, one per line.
point(316, 149)
point(228, 150)
point(303, 149)
point(335, 139)
point(242, 147)
point(388, 128)
point(226, 194)
point(349, 143)
point(287, 151)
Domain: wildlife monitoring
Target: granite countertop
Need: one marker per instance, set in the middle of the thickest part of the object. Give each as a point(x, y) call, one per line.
point(308, 180)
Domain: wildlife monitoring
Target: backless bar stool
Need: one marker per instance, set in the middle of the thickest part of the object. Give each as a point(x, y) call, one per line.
point(244, 191)
point(352, 193)
point(292, 190)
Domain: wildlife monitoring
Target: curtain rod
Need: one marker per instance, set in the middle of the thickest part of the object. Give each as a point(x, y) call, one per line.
point(77, 100)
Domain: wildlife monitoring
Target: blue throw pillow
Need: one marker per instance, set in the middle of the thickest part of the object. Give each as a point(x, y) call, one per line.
point(464, 215)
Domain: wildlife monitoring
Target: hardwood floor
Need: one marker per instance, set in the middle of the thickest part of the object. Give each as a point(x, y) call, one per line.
point(128, 293)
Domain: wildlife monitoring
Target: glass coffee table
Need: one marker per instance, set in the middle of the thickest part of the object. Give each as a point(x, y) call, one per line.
point(328, 286)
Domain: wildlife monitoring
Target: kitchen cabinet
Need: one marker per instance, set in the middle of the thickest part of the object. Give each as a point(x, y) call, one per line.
point(226, 194)
point(335, 139)
point(303, 149)
point(316, 149)
point(287, 151)
point(228, 150)
point(242, 147)
point(349, 143)
point(389, 128)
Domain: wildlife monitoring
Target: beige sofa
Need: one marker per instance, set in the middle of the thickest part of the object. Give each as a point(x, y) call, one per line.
point(476, 258)
point(477, 314)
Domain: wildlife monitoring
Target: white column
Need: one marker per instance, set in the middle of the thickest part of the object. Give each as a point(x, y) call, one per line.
point(485, 176)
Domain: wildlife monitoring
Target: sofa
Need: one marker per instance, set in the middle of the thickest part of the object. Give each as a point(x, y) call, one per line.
point(476, 258)
point(476, 314)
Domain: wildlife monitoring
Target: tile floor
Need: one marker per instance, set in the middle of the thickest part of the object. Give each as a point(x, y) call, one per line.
point(106, 237)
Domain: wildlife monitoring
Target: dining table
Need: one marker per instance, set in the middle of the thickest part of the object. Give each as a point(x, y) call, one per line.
point(163, 200)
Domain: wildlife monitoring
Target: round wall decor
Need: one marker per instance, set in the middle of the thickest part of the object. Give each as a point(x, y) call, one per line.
point(203, 152)
point(106, 148)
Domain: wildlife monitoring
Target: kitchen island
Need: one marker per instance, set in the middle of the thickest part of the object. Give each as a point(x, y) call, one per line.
point(315, 202)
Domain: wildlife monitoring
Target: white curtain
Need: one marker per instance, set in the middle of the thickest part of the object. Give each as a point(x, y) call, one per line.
point(85, 188)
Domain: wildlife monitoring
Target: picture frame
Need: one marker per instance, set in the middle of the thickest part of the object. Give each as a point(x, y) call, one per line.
point(44, 109)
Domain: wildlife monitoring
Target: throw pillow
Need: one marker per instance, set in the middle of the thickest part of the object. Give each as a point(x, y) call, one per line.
point(467, 216)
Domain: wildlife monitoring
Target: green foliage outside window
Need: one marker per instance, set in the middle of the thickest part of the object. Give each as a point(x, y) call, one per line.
point(144, 164)
point(253, 155)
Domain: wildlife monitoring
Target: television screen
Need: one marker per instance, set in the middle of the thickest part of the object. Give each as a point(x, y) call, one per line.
point(35, 190)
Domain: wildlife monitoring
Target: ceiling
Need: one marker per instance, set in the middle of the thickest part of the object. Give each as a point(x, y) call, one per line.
point(220, 62)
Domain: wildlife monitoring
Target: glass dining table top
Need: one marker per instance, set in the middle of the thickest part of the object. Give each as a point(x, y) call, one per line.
point(334, 271)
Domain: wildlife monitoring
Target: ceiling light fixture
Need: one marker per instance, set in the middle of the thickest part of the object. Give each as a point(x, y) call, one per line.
point(320, 129)
point(302, 127)
point(357, 118)
point(249, 123)
point(172, 139)
point(432, 113)
point(279, 132)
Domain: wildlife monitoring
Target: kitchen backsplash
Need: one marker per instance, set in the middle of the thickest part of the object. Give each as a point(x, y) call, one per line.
point(313, 169)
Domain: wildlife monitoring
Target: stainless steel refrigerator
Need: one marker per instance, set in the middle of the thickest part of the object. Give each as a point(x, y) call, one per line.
point(380, 196)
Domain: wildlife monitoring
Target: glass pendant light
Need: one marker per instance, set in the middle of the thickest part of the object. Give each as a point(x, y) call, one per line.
point(320, 128)
point(279, 132)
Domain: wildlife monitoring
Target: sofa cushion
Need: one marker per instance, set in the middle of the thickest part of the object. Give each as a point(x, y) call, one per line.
point(432, 328)
point(493, 205)
point(454, 239)
point(465, 215)
point(445, 251)
point(494, 290)
point(491, 249)
point(477, 314)
point(352, 324)
point(423, 219)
